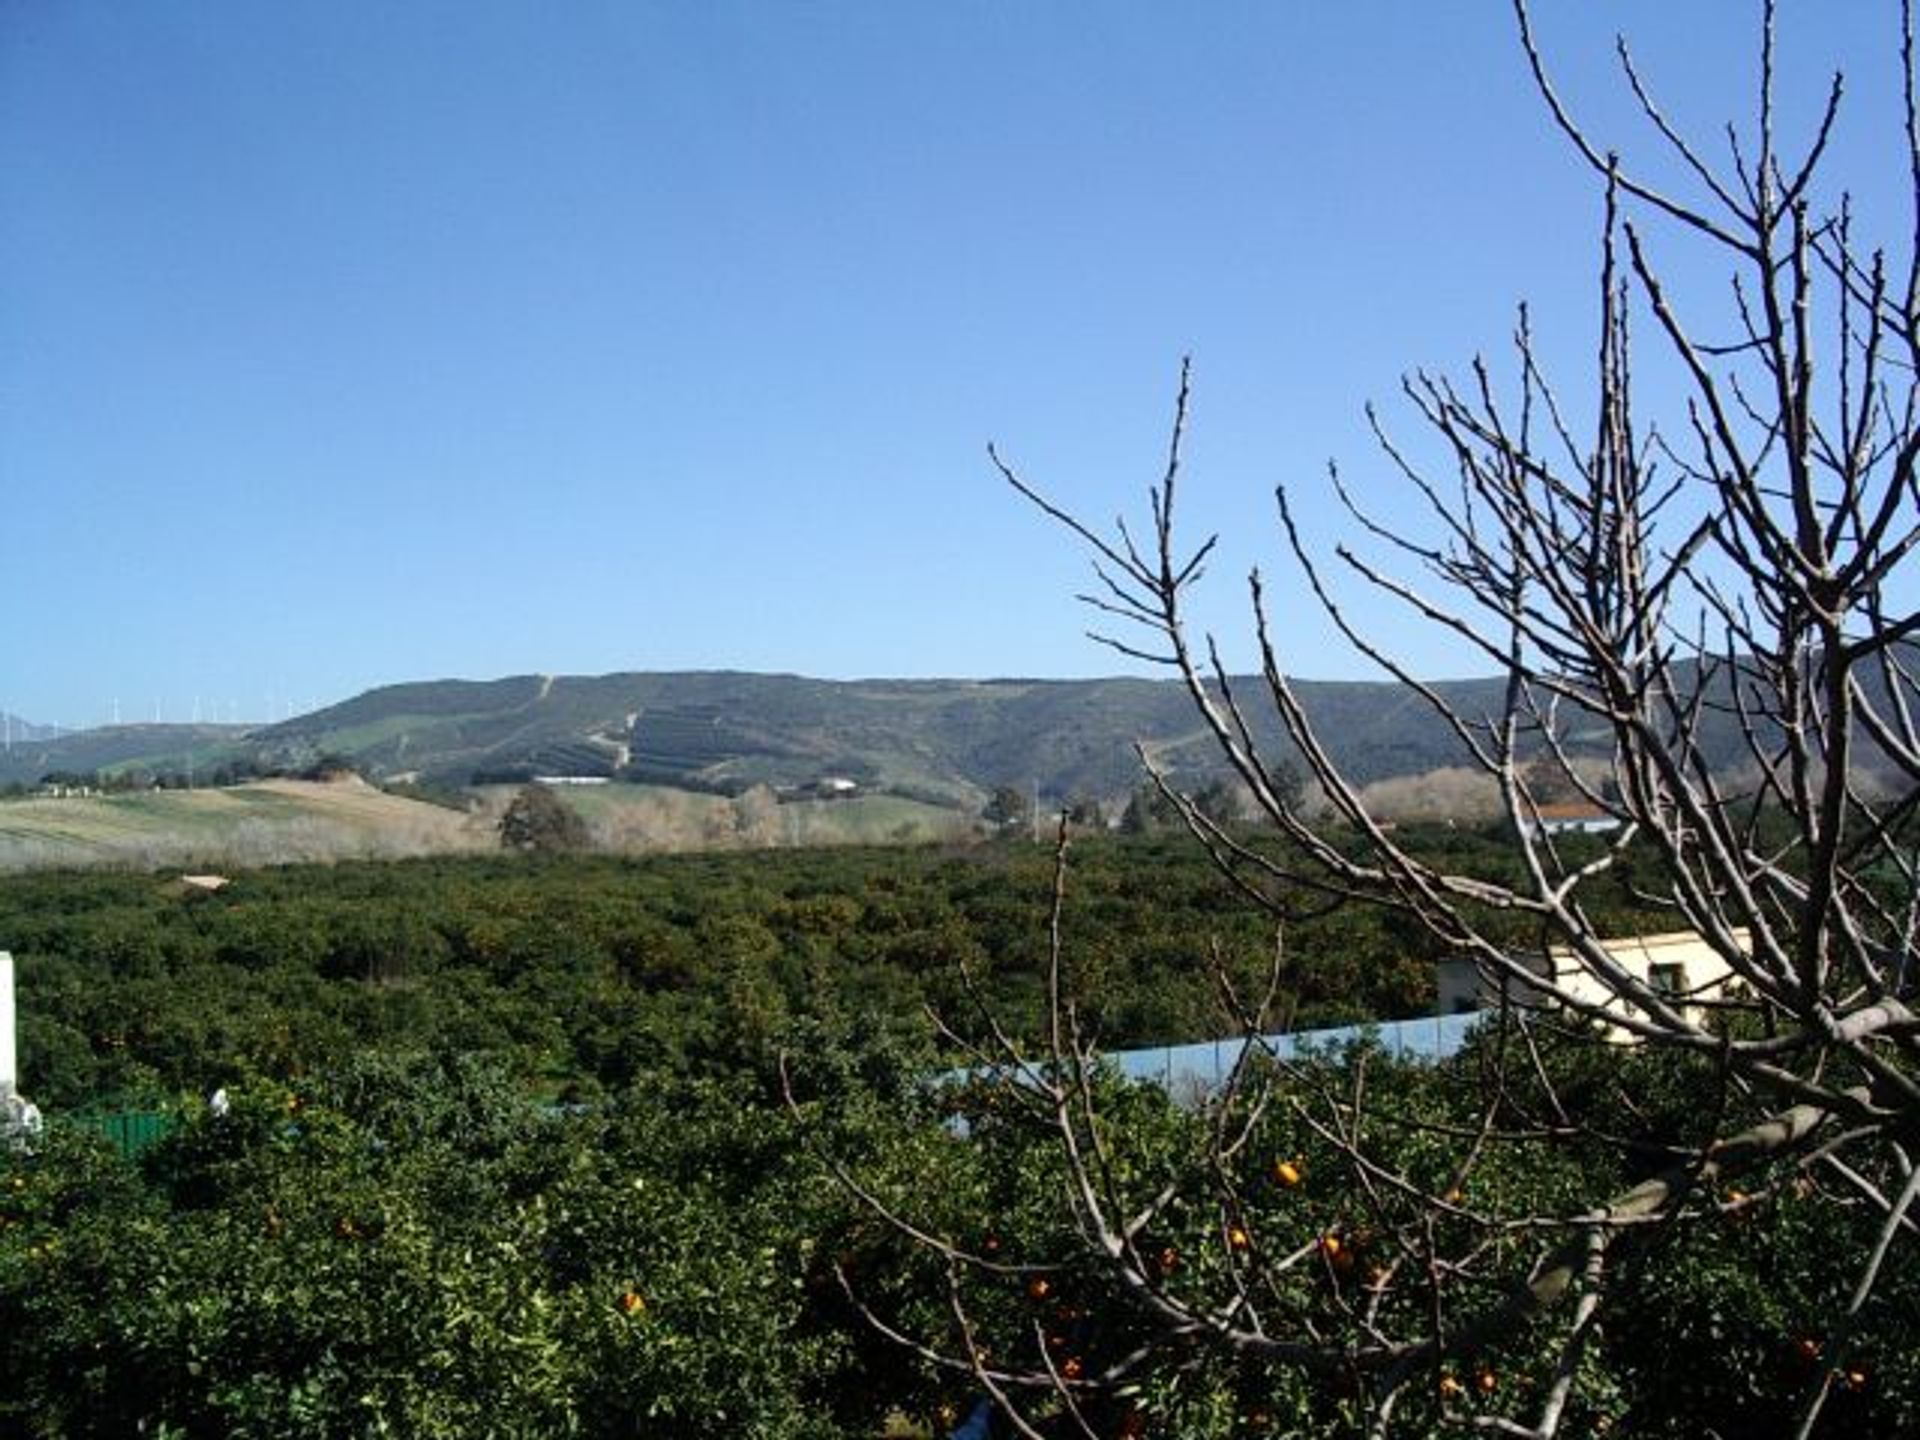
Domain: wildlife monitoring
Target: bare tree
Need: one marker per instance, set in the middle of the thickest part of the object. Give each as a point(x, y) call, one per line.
point(1745, 567)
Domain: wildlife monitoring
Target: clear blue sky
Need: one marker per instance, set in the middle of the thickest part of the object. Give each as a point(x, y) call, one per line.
point(343, 344)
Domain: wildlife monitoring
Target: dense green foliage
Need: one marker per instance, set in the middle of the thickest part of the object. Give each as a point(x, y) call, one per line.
point(507, 1153)
point(1712, 1329)
point(584, 971)
point(409, 1245)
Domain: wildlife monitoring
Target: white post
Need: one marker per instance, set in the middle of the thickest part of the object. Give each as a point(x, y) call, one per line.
point(9, 1078)
point(19, 1116)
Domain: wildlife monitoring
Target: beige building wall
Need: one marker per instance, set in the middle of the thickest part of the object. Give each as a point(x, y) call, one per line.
point(1680, 963)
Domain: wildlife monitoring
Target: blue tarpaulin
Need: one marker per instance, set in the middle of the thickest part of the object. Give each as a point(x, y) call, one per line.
point(1192, 1071)
point(1204, 1066)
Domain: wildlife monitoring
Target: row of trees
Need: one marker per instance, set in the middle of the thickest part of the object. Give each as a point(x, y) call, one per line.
point(1148, 808)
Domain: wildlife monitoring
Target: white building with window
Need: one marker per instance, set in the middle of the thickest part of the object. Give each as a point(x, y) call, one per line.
point(1680, 965)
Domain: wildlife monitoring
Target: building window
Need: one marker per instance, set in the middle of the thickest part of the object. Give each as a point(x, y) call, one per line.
point(1667, 980)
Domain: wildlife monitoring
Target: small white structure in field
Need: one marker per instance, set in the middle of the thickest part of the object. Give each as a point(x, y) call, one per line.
point(1680, 966)
point(1569, 818)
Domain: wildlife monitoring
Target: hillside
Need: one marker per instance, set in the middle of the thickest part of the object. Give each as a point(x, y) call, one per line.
point(41, 750)
point(273, 822)
point(946, 742)
point(16, 731)
point(943, 740)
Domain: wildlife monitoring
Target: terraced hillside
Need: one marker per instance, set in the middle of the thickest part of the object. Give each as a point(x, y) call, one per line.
point(946, 742)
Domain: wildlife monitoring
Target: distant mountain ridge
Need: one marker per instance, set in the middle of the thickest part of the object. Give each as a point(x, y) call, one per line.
point(16, 731)
point(152, 749)
point(946, 740)
point(950, 741)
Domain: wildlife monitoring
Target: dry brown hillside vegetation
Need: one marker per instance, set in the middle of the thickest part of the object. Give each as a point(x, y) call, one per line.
point(273, 822)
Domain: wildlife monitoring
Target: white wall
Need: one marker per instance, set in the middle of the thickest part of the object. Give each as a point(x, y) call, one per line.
point(1704, 975)
point(9, 1077)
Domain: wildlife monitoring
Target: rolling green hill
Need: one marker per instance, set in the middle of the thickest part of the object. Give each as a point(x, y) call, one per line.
point(945, 742)
point(113, 749)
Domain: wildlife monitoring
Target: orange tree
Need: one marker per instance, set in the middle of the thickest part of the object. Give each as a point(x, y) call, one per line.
point(1328, 1202)
point(408, 1246)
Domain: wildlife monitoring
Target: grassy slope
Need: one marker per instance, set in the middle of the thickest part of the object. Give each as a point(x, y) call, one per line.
point(267, 823)
point(280, 821)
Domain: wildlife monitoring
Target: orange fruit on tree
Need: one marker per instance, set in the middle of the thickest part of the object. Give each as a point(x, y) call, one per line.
point(1288, 1173)
point(1338, 1252)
